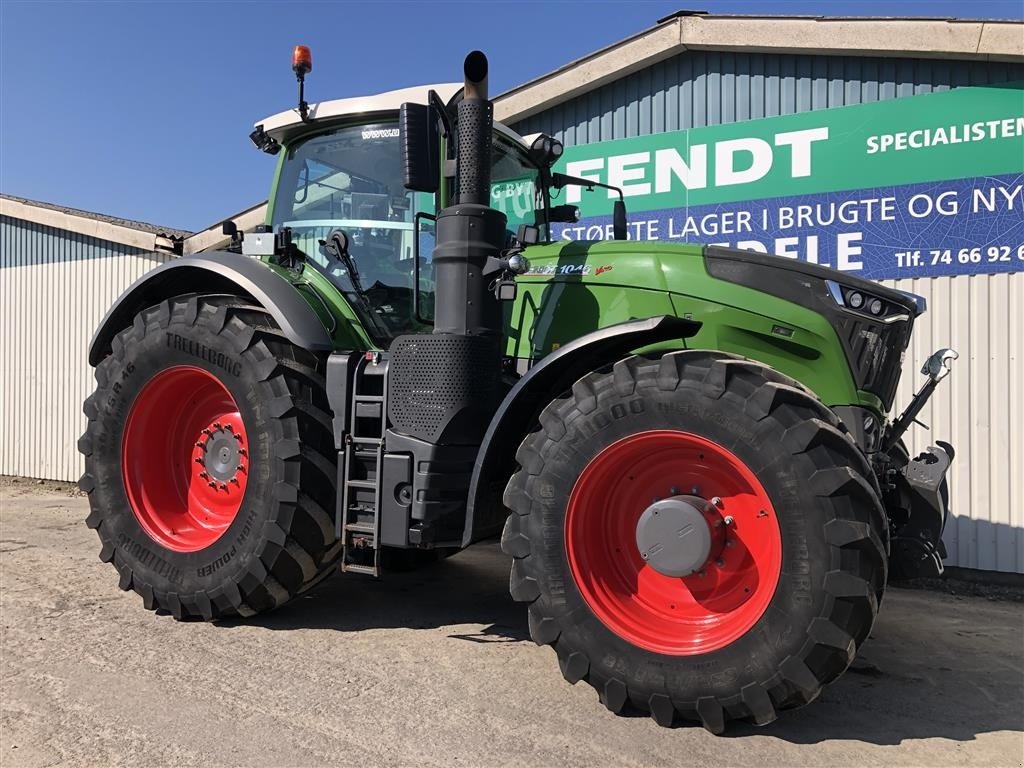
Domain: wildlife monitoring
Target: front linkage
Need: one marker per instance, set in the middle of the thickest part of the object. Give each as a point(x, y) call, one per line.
point(916, 491)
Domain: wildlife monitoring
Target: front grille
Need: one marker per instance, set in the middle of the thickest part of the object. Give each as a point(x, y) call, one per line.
point(874, 351)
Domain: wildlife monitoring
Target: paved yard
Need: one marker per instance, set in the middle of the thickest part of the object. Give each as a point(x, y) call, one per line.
point(435, 668)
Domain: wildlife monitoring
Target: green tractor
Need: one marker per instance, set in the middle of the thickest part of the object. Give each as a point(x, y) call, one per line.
point(684, 449)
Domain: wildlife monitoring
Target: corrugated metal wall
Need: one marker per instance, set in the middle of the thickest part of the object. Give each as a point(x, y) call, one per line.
point(55, 287)
point(698, 89)
point(980, 408)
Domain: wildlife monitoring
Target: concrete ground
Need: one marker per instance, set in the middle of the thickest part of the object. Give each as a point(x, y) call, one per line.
point(434, 668)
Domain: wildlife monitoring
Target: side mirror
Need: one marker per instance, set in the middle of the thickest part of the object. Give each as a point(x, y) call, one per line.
point(619, 223)
point(421, 143)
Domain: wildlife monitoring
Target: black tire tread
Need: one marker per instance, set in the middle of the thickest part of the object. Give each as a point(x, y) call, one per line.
point(297, 547)
point(845, 476)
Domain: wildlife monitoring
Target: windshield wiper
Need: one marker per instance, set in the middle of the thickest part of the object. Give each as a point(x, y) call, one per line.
point(336, 245)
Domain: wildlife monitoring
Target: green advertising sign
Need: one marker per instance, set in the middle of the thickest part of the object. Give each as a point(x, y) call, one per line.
point(890, 189)
point(956, 134)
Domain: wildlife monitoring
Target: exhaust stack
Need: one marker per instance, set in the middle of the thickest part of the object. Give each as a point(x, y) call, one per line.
point(445, 385)
point(476, 121)
point(469, 231)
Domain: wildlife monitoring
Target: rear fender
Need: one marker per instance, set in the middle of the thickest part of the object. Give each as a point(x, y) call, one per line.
point(550, 377)
point(216, 272)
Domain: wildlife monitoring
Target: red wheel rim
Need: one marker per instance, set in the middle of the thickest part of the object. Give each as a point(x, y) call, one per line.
point(678, 616)
point(184, 458)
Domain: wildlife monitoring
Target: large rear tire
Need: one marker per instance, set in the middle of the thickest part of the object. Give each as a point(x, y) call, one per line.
point(780, 602)
point(208, 460)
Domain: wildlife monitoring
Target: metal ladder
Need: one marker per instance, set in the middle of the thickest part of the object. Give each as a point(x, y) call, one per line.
point(358, 525)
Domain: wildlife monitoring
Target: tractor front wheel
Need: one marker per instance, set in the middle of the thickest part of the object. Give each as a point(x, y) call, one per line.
point(697, 537)
point(208, 460)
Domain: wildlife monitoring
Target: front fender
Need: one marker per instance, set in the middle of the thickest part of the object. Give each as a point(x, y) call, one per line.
point(215, 272)
point(547, 379)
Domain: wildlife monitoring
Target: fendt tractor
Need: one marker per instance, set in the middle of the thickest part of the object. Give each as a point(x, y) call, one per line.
point(684, 449)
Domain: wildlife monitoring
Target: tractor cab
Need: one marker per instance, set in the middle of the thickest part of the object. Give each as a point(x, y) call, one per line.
point(341, 168)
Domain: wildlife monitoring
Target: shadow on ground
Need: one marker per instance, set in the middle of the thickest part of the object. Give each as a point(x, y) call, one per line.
point(936, 666)
point(471, 587)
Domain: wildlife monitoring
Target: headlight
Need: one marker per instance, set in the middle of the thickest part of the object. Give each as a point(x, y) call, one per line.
point(859, 302)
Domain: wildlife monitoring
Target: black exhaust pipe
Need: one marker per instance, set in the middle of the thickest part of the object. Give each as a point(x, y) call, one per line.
point(476, 120)
point(446, 385)
point(469, 231)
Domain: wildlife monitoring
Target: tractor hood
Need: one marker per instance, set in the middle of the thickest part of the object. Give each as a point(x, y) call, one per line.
point(872, 322)
point(752, 269)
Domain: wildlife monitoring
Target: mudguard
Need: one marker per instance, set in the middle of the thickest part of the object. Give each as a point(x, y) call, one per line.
point(215, 272)
point(547, 379)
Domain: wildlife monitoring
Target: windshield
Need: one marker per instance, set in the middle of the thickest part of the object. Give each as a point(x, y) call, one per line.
point(351, 179)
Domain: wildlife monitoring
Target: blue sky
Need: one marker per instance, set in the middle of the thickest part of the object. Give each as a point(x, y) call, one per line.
point(142, 109)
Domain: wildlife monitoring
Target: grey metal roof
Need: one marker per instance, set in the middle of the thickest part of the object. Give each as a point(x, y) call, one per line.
point(141, 226)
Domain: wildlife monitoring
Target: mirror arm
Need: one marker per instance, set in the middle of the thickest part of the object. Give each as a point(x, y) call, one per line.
point(435, 101)
point(620, 225)
point(559, 180)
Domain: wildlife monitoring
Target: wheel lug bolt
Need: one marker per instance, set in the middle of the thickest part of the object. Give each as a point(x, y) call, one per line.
point(198, 459)
point(204, 476)
point(717, 501)
point(216, 425)
point(234, 480)
point(223, 486)
point(212, 484)
point(200, 445)
point(720, 562)
point(730, 543)
point(238, 438)
point(695, 491)
point(241, 452)
point(673, 491)
point(207, 432)
point(241, 468)
point(229, 428)
point(728, 520)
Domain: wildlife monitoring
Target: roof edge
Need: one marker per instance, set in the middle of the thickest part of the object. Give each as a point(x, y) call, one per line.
point(90, 227)
point(984, 40)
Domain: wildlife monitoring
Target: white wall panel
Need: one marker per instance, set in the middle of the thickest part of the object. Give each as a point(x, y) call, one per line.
point(979, 409)
point(48, 312)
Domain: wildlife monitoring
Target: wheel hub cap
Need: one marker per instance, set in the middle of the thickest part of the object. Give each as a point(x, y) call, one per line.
point(677, 536)
point(222, 454)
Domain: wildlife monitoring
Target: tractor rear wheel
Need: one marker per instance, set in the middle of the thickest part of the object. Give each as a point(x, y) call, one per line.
point(208, 460)
point(698, 538)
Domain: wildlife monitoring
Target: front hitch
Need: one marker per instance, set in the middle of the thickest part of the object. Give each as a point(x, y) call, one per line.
point(921, 490)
